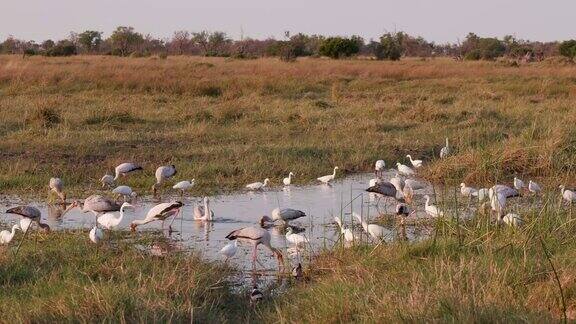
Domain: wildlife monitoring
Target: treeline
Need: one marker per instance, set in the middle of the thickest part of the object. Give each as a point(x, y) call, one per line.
point(125, 41)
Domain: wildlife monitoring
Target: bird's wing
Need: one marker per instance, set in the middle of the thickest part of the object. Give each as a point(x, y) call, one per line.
point(26, 211)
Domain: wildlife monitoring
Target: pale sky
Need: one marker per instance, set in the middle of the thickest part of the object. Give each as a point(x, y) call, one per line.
point(440, 21)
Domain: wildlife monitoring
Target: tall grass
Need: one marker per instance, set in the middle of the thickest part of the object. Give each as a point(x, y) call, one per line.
point(229, 122)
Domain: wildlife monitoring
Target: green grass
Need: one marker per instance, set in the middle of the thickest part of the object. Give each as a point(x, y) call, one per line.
point(64, 277)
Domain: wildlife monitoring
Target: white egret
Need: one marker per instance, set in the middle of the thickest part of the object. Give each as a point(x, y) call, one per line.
point(432, 210)
point(328, 178)
point(533, 187)
point(379, 167)
point(184, 185)
point(348, 234)
point(288, 180)
point(7, 236)
point(415, 163)
point(258, 185)
point(96, 235)
point(377, 232)
point(229, 250)
point(294, 238)
point(445, 151)
point(109, 221)
point(404, 169)
point(468, 191)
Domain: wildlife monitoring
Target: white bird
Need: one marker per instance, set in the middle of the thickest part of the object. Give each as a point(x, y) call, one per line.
point(505, 190)
point(348, 234)
point(374, 182)
point(512, 220)
point(328, 178)
point(377, 232)
point(379, 167)
point(404, 169)
point(567, 194)
point(518, 184)
point(204, 213)
point(468, 191)
point(96, 235)
point(533, 187)
point(184, 185)
point(57, 185)
point(255, 236)
point(229, 250)
point(162, 173)
point(258, 185)
point(7, 236)
point(107, 181)
point(295, 239)
point(109, 221)
point(498, 203)
point(483, 194)
point(25, 224)
point(415, 163)
point(124, 191)
point(415, 185)
point(159, 212)
point(445, 151)
point(125, 168)
point(398, 182)
point(288, 180)
point(432, 210)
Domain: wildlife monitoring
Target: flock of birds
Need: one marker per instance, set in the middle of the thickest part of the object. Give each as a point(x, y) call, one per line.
point(400, 187)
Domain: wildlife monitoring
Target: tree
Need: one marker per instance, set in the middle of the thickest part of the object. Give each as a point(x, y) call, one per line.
point(217, 42)
point(568, 48)
point(390, 47)
point(180, 41)
point(201, 39)
point(62, 48)
point(125, 40)
point(339, 47)
point(90, 40)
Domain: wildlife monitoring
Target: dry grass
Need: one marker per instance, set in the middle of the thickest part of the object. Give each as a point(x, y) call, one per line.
point(230, 122)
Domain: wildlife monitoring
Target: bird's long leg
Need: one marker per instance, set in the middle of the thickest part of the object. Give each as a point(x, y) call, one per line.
point(254, 256)
point(21, 241)
point(173, 218)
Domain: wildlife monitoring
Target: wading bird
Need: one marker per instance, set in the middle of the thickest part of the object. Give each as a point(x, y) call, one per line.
point(258, 185)
point(568, 195)
point(7, 236)
point(107, 181)
point(159, 212)
point(386, 189)
point(288, 180)
point(124, 169)
point(328, 178)
point(504, 190)
point(379, 168)
point(124, 191)
point(348, 234)
point(404, 169)
point(295, 239)
point(415, 163)
point(97, 205)
point(432, 210)
point(445, 151)
point(284, 216)
point(377, 232)
point(229, 250)
point(255, 296)
point(398, 182)
point(518, 184)
point(96, 235)
point(57, 185)
point(29, 214)
point(204, 213)
point(255, 236)
point(533, 187)
point(184, 186)
point(512, 220)
point(162, 174)
point(468, 191)
point(403, 211)
point(297, 272)
point(109, 221)
point(415, 185)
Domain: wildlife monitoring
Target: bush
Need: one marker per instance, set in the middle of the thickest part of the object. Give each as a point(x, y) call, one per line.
point(568, 48)
point(390, 48)
point(473, 55)
point(338, 47)
point(62, 48)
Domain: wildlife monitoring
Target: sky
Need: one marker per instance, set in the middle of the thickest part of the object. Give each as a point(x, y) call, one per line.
point(436, 20)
